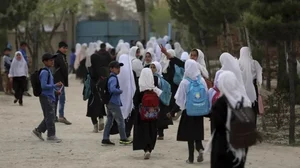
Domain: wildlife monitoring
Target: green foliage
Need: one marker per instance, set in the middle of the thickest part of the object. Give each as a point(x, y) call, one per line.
point(12, 12)
point(159, 20)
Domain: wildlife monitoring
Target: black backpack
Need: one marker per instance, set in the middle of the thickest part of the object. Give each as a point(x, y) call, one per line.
point(243, 133)
point(102, 85)
point(36, 83)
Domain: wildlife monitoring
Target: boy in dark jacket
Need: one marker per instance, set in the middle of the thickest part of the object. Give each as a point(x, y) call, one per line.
point(61, 75)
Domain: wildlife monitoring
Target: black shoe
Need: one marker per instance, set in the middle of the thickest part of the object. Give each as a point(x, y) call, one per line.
point(56, 119)
point(125, 142)
point(189, 161)
point(107, 142)
point(38, 134)
point(15, 101)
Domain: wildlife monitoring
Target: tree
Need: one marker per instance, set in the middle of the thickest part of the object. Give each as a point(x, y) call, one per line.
point(279, 20)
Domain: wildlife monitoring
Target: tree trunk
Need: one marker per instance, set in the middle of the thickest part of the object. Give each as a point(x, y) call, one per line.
point(247, 37)
point(268, 66)
point(292, 74)
point(282, 76)
point(202, 37)
point(3, 42)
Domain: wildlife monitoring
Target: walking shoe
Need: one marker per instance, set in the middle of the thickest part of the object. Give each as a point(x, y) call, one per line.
point(125, 142)
point(15, 101)
point(64, 120)
point(200, 157)
point(147, 155)
point(189, 161)
point(95, 128)
point(101, 124)
point(107, 142)
point(38, 134)
point(53, 139)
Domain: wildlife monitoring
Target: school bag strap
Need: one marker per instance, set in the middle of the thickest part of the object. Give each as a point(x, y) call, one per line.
point(48, 81)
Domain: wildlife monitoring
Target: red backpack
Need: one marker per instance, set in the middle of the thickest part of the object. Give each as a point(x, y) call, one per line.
point(216, 96)
point(149, 108)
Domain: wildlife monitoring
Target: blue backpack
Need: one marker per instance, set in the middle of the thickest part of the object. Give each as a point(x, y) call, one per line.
point(179, 72)
point(197, 103)
point(166, 94)
point(87, 88)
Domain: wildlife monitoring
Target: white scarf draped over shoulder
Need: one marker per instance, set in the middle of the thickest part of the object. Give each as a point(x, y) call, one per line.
point(127, 85)
point(18, 68)
point(245, 62)
point(146, 82)
point(192, 72)
point(137, 64)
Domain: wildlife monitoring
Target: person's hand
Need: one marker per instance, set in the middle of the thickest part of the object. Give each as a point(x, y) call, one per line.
point(163, 49)
point(10, 80)
point(59, 84)
point(58, 93)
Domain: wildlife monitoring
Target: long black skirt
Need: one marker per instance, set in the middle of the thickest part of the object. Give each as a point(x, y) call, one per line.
point(163, 121)
point(95, 107)
point(190, 128)
point(144, 133)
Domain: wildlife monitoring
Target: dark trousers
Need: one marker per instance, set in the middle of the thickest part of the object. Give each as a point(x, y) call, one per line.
point(94, 120)
point(19, 86)
point(48, 107)
point(192, 145)
point(160, 132)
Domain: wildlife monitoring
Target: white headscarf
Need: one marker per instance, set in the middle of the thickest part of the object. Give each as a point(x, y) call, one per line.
point(146, 81)
point(178, 49)
point(234, 92)
point(202, 65)
point(127, 85)
point(137, 64)
point(149, 45)
point(77, 49)
point(141, 47)
point(90, 51)
point(166, 39)
point(165, 61)
point(123, 50)
point(18, 68)
point(245, 62)
point(158, 68)
point(157, 52)
point(82, 55)
point(108, 46)
point(184, 56)
point(168, 47)
point(192, 72)
point(151, 52)
point(99, 42)
point(229, 63)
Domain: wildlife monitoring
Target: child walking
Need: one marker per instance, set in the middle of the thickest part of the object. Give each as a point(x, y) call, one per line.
point(18, 73)
point(114, 106)
point(191, 128)
point(47, 100)
point(145, 131)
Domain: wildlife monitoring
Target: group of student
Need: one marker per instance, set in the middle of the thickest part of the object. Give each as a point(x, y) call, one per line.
point(143, 89)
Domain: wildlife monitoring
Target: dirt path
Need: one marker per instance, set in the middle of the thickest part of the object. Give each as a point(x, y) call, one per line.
point(82, 149)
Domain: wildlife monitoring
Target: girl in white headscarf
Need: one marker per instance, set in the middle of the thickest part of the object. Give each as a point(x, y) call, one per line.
point(142, 49)
point(184, 56)
point(198, 56)
point(163, 121)
point(191, 129)
point(137, 64)
point(145, 132)
point(127, 84)
point(169, 47)
point(252, 76)
point(91, 50)
point(18, 73)
point(124, 49)
point(178, 49)
point(229, 63)
point(149, 58)
point(222, 153)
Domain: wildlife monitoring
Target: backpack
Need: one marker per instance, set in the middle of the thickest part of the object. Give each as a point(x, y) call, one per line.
point(149, 109)
point(87, 91)
point(36, 83)
point(102, 86)
point(197, 103)
point(178, 75)
point(166, 95)
point(242, 133)
point(216, 95)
